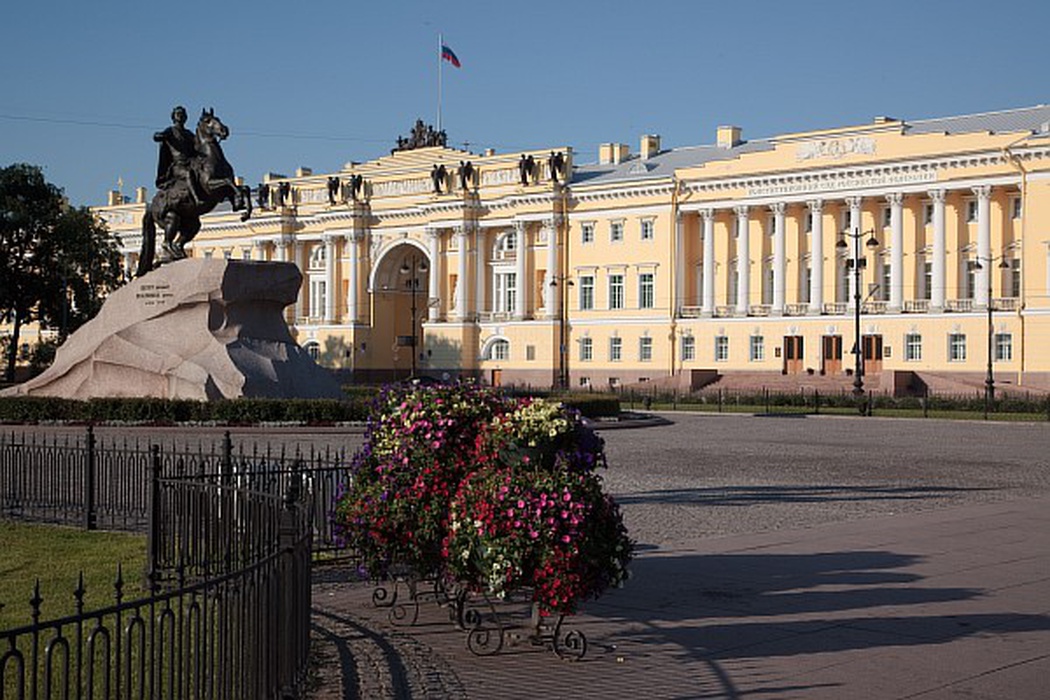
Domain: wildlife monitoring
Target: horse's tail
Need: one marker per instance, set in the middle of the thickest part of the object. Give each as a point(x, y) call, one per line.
point(149, 243)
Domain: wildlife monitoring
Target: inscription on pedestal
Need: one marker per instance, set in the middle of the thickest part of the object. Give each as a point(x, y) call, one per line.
point(154, 294)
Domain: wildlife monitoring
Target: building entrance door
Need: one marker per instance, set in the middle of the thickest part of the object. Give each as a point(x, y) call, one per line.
point(872, 354)
point(831, 354)
point(497, 377)
point(794, 355)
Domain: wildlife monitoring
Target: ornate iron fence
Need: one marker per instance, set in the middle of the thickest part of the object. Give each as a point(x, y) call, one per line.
point(228, 611)
point(97, 484)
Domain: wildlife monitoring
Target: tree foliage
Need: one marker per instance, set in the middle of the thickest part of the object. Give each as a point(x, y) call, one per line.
point(57, 262)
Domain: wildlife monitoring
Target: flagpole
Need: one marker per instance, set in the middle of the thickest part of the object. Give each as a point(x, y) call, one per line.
point(441, 44)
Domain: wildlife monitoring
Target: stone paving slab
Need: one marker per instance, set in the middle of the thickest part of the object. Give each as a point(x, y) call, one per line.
point(941, 604)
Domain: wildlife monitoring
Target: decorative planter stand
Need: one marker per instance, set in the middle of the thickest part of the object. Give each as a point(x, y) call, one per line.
point(489, 624)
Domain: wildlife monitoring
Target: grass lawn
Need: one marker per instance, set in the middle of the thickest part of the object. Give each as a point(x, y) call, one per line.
point(56, 555)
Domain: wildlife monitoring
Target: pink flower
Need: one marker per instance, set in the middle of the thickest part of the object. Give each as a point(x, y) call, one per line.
point(566, 539)
point(521, 503)
point(533, 534)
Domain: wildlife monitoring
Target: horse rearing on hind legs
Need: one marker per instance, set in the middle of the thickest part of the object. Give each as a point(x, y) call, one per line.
point(182, 201)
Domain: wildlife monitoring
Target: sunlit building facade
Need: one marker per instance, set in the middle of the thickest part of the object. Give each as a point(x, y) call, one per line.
point(672, 265)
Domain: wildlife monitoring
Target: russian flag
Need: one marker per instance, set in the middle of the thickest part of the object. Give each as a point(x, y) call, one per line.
point(448, 55)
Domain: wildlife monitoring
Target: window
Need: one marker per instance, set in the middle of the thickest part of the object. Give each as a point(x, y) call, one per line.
point(645, 290)
point(313, 349)
point(645, 349)
point(927, 214)
point(616, 231)
point(246, 253)
point(887, 217)
point(758, 348)
point(957, 347)
point(587, 232)
point(807, 284)
point(616, 291)
point(927, 280)
point(585, 382)
point(1015, 277)
point(500, 350)
point(845, 219)
point(506, 292)
point(615, 349)
point(884, 278)
point(586, 292)
point(227, 253)
point(586, 349)
point(971, 211)
point(207, 254)
point(530, 352)
point(767, 282)
point(1015, 208)
point(721, 348)
point(912, 347)
point(809, 222)
point(647, 229)
point(1004, 347)
point(688, 348)
point(317, 298)
point(970, 279)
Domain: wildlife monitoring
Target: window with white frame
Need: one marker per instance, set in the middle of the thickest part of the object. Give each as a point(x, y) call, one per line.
point(586, 292)
point(646, 290)
point(927, 279)
point(721, 348)
point(956, 347)
point(887, 217)
point(500, 350)
point(587, 232)
point(969, 279)
point(616, 231)
point(806, 288)
point(845, 218)
point(318, 294)
point(927, 213)
point(615, 349)
point(318, 254)
point(585, 382)
point(506, 292)
point(971, 211)
point(586, 349)
point(912, 347)
point(645, 349)
point(1004, 347)
point(884, 278)
point(505, 246)
point(1015, 277)
point(758, 348)
point(648, 229)
point(1015, 208)
point(616, 290)
point(688, 348)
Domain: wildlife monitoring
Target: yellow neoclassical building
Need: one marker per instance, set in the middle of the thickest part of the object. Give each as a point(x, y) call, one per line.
point(672, 265)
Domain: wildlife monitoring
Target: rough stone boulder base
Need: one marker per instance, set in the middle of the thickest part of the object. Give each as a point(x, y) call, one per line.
point(194, 329)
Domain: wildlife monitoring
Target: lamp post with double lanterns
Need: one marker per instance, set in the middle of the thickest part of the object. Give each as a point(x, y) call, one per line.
point(561, 376)
point(413, 267)
point(989, 379)
point(857, 263)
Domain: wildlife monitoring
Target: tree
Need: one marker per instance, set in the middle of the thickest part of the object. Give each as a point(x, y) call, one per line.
point(57, 262)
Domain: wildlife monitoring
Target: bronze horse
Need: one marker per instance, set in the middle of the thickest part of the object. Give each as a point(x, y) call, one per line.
point(176, 209)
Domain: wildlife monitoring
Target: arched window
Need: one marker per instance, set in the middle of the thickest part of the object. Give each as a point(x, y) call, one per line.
point(313, 348)
point(499, 350)
point(317, 256)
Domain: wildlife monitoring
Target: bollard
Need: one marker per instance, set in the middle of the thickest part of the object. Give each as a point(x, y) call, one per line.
point(90, 473)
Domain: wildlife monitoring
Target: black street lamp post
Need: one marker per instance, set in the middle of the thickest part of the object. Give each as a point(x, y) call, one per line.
point(561, 376)
point(858, 263)
point(413, 266)
point(989, 379)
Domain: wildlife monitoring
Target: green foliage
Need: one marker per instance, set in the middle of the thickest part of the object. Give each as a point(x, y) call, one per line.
point(32, 409)
point(59, 262)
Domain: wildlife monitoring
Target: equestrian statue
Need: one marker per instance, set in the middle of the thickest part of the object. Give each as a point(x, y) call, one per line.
point(193, 176)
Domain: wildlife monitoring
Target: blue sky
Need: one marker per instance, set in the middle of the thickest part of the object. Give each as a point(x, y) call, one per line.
point(317, 83)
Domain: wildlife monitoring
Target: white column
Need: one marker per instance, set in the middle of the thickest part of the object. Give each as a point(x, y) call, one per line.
point(434, 236)
point(281, 244)
point(896, 201)
point(940, 251)
point(125, 260)
point(461, 278)
point(816, 257)
point(854, 230)
point(329, 276)
point(480, 249)
point(679, 274)
point(708, 308)
point(984, 245)
point(743, 261)
point(259, 250)
point(297, 258)
point(520, 250)
point(352, 240)
point(779, 258)
point(550, 294)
